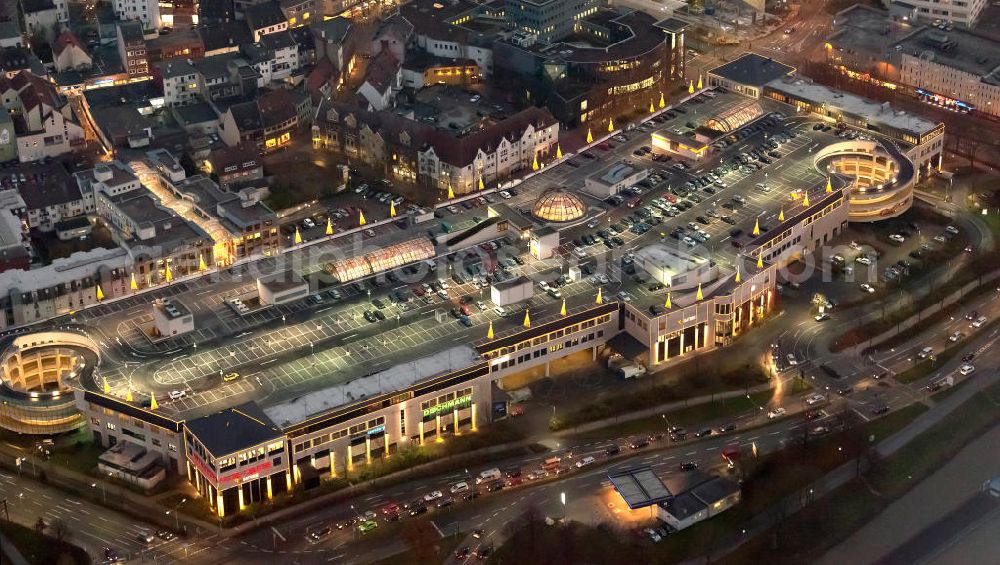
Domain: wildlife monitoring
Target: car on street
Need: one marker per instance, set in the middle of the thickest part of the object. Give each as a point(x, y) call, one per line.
point(867, 288)
point(776, 413)
point(589, 460)
point(688, 466)
point(317, 536)
point(815, 399)
point(367, 526)
point(432, 496)
point(966, 369)
point(956, 336)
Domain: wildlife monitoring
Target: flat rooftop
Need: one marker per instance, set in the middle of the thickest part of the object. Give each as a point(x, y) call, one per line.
point(959, 49)
point(398, 377)
point(872, 111)
point(752, 69)
point(616, 173)
point(640, 487)
point(865, 30)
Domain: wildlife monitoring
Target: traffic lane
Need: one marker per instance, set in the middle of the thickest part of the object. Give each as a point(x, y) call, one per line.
point(90, 525)
point(491, 515)
point(939, 337)
point(579, 448)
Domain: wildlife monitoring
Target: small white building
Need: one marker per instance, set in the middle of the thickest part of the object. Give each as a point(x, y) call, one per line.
point(613, 179)
point(131, 463)
point(674, 267)
point(512, 291)
point(145, 11)
point(702, 499)
point(171, 318)
point(281, 288)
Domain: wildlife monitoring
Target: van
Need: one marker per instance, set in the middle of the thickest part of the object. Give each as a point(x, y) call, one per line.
point(588, 460)
point(488, 475)
point(551, 464)
point(631, 371)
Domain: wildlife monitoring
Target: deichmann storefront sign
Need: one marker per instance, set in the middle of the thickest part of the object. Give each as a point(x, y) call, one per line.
point(454, 404)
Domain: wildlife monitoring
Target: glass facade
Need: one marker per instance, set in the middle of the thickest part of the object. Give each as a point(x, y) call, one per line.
point(382, 260)
point(559, 206)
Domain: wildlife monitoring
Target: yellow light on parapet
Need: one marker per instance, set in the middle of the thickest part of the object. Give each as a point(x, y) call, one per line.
point(534, 163)
point(527, 319)
point(152, 401)
point(128, 395)
point(781, 215)
point(652, 108)
point(738, 279)
point(691, 87)
point(392, 209)
point(169, 273)
point(201, 262)
point(558, 153)
point(451, 193)
point(481, 185)
point(668, 305)
point(298, 236)
point(805, 199)
point(489, 332)
point(663, 102)
point(100, 293)
point(563, 310)
point(611, 125)
point(600, 297)
point(760, 261)
point(699, 296)
point(590, 136)
point(361, 218)
point(134, 285)
point(329, 226)
point(107, 388)
point(756, 226)
point(699, 82)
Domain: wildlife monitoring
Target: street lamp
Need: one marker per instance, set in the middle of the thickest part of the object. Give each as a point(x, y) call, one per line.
point(104, 492)
point(177, 518)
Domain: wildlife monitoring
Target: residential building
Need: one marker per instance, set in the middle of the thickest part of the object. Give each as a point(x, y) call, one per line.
point(383, 78)
point(50, 196)
point(42, 17)
point(224, 37)
point(335, 41)
point(186, 43)
point(132, 49)
point(10, 34)
point(235, 166)
point(298, 12)
point(145, 11)
point(268, 122)
point(43, 119)
point(275, 57)
point(394, 34)
point(179, 80)
point(416, 151)
point(68, 53)
point(265, 18)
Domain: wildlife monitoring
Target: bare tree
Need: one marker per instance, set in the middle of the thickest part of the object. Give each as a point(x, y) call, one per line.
point(419, 536)
point(60, 530)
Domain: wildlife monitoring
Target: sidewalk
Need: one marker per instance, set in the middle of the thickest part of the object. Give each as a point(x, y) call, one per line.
point(935, 497)
point(763, 521)
point(132, 503)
